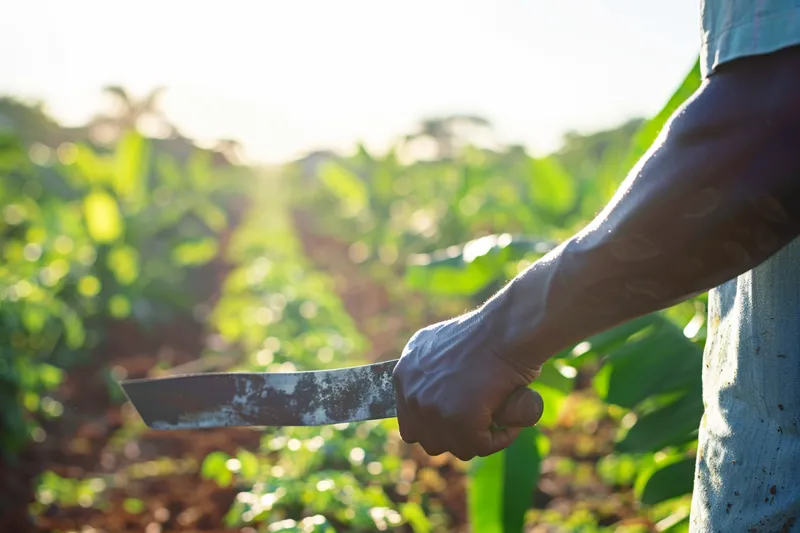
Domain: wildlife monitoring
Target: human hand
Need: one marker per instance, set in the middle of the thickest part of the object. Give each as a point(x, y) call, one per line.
point(454, 389)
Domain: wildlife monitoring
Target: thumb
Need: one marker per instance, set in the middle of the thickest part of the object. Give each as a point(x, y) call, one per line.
point(523, 407)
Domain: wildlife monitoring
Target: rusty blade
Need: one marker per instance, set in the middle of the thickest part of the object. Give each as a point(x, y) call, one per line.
point(215, 400)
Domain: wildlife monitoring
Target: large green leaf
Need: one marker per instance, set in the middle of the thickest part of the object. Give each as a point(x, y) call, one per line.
point(602, 342)
point(485, 493)
point(521, 474)
point(553, 400)
point(554, 387)
point(464, 270)
point(501, 485)
point(671, 425)
point(659, 361)
point(670, 479)
point(553, 377)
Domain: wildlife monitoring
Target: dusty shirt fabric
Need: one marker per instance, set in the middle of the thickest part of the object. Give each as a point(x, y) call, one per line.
point(747, 476)
point(738, 28)
point(748, 465)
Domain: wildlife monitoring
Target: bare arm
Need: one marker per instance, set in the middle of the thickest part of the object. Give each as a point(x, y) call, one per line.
point(717, 195)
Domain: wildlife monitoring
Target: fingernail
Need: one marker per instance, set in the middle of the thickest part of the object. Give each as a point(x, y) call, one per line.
point(532, 409)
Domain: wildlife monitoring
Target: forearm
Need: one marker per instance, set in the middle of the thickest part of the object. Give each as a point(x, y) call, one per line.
point(718, 196)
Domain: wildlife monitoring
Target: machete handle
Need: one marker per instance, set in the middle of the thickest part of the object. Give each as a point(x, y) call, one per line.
point(522, 408)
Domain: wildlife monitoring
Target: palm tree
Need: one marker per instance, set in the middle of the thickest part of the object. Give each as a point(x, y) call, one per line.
point(449, 133)
point(129, 114)
point(228, 152)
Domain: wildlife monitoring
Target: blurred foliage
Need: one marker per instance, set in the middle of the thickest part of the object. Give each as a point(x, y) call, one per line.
point(85, 238)
point(95, 233)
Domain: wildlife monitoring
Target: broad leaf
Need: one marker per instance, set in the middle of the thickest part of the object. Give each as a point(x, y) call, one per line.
point(485, 494)
point(602, 342)
point(598, 346)
point(670, 425)
point(521, 474)
point(662, 360)
point(501, 485)
point(553, 399)
point(464, 270)
point(552, 377)
point(666, 481)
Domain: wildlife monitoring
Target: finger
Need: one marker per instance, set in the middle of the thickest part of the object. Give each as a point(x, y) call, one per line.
point(454, 441)
point(433, 436)
point(494, 440)
point(433, 448)
point(460, 435)
point(462, 448)
point(523, 407)
point(408, 426)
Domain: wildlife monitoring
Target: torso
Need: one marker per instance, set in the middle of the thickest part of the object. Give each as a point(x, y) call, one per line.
point(748, 466)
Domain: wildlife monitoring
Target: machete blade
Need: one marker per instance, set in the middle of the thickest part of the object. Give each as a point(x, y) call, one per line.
point(314, 398)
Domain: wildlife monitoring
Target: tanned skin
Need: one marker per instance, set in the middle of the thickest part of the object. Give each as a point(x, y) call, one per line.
point(717, 195)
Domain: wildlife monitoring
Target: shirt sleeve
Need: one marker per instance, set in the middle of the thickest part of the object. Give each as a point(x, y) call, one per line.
point(732, 29)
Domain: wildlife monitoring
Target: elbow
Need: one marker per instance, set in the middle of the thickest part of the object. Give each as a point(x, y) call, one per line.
point(757, 96)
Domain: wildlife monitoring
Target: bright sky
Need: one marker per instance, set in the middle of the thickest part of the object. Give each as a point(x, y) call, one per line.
point(288, 76)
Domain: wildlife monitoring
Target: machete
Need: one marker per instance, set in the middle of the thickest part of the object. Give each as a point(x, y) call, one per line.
point(312, 398)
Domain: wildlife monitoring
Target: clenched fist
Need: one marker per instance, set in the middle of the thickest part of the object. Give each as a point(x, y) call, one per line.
point(458, 393)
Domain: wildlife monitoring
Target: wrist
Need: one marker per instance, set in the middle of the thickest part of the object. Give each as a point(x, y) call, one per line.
point(529, 312)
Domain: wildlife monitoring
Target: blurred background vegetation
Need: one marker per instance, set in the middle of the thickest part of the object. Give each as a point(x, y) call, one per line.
point(127, 256)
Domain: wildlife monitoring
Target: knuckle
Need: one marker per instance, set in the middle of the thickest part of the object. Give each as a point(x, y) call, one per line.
point(485, 448)
point(429, 409)
point(406, 433)
point(400, 371)
point(433, 452)
point(407, 437)
point(412, 344)
point(413, 403)
point(432, 448)
point(485, 452)
point(456, 418)
point(464, 455)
